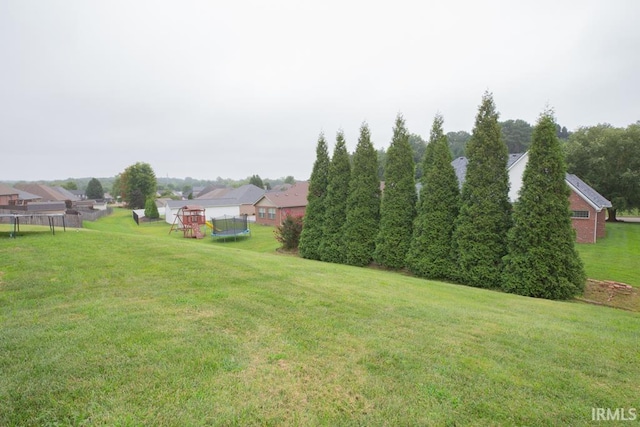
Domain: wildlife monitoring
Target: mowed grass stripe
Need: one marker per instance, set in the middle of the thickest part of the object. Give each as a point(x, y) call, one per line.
point(110, 328)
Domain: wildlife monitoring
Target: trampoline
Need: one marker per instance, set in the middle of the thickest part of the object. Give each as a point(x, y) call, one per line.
point(229, 226)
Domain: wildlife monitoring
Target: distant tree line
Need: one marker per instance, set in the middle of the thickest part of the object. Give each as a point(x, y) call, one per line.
point(472, 236)
point(167, 186)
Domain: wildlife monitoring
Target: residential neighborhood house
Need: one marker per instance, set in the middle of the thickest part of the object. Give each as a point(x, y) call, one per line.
point(236, 202)
point(274, 206)
point(588, 207)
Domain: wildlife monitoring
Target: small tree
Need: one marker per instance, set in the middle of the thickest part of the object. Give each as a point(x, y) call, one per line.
point(94, 190)
point(332, 246)
point(288, 233)
point(363, 202)
point(151, 209)
point(542, 260)
point(485, 213)
point(431, 253)
point(398, 205)
point(311, 235)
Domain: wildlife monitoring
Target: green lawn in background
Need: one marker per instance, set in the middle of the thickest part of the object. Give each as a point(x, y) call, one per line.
point(615, 257)
point(260, 240)
point(122, 324)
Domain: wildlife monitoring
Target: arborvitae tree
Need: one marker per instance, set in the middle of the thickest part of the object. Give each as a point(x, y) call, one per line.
point(542, 260)
point(480, 236)
point(398, 205)
point(151, 209)
point(332, 248)
point(94, 190)
point(431, 253)
point(363, 203)
point(311, 235)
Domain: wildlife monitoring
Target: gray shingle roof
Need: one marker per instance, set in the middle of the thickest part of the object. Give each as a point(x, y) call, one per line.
point(245, 195)
point(513, 158)
point(594, 197)
point(68, 194)
point(5, 190)
point(460, 166)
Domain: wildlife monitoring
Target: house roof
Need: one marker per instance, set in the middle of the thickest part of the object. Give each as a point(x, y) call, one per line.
point(207, 189)
point(68, 194)
point(244, 195)
point(247, 194)
point(5, 190)
point(44, 191)
point(513, 159)
point(23, 195)
point(590, 195)
point(295, 196)
point(460, 165)
point(214, 193)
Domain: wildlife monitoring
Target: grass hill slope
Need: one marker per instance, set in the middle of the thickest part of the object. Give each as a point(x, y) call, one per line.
point(108, 327)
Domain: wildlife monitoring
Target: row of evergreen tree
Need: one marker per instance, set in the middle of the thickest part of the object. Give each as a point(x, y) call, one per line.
point(472, 236)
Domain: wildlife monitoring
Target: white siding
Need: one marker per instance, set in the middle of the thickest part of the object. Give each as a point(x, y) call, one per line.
point(515, 177)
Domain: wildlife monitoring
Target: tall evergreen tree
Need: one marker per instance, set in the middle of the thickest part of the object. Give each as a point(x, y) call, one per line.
point(363, 203)
point(398, 205)
point(431, 252)
point(542, 260)
point(480, 236)
point(94, 190)
point(332, 248)
point(311, 235)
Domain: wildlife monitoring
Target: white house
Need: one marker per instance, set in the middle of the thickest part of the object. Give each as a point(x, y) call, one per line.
point(588, 207)
point(236, 202)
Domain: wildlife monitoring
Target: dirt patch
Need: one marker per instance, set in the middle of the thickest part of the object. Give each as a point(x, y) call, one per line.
point(611, 294)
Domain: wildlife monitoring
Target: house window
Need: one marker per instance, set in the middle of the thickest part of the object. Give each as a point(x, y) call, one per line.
point(261, 212)
point(272, 213)
point(579, 214)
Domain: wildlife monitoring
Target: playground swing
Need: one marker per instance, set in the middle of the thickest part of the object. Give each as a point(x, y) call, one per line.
point(189, 219)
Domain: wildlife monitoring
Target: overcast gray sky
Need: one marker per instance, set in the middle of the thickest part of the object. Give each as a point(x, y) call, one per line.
point(236, 88)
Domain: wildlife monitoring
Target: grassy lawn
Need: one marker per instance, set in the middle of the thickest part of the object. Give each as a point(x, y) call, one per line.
point(616, 257)
point(128, 325)
point(261, 239)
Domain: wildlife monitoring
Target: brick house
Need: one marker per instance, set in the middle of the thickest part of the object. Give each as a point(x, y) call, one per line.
point(274, 206)
point(8, 195)
point(588, 207)
point(588, 210)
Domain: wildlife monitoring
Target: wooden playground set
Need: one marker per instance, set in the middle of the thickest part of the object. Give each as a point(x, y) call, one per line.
point(191, 219)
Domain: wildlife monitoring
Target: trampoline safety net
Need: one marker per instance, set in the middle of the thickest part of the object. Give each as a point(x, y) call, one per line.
point(230, 226)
